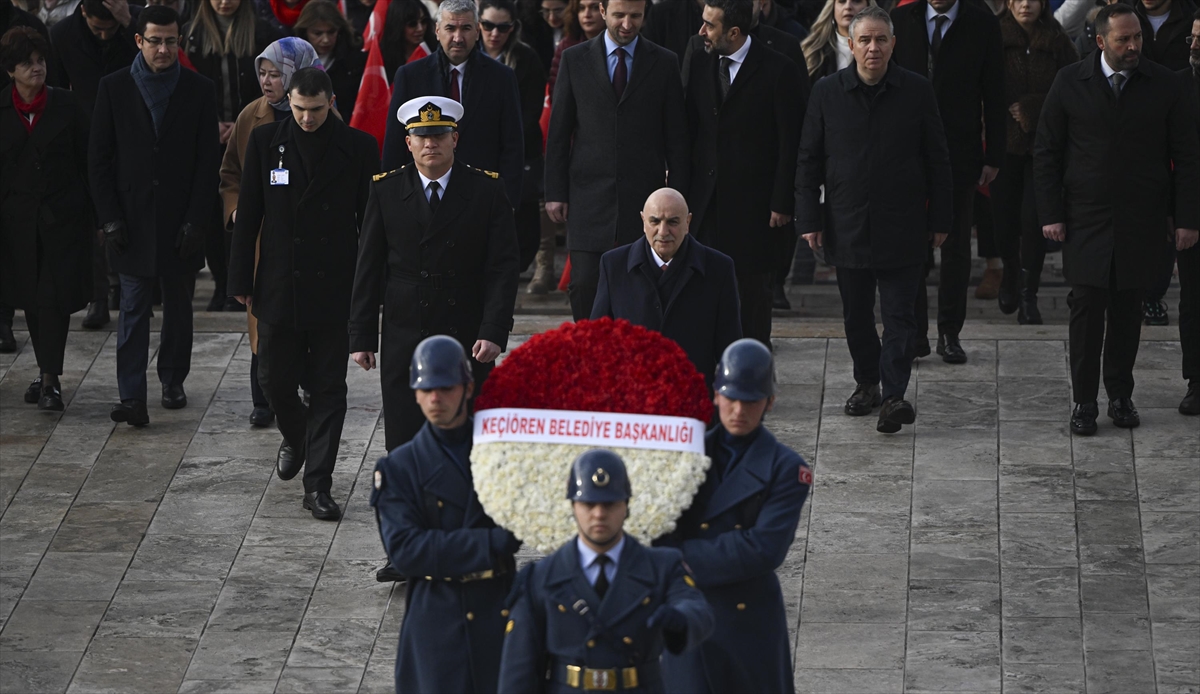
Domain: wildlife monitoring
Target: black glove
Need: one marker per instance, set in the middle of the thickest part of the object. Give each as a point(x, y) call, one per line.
point(190, 240)
point(667, 617)
point(502, 542)
point(116, 235)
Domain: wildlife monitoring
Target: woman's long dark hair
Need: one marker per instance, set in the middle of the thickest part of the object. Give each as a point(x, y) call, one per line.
point(514, 36)
point(324, 11)
point(399, 14)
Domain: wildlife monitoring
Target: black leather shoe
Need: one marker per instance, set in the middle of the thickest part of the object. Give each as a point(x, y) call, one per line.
point(921, 349)
point(34, 392)
point(173, 397)
point(1155, 313)
point(114, 297)
point(894, 413)
point(1190, 405)
point(1008, 294)
point(864, 399)
point(8, 341)
point(1123, 413)
point(389, 574)
point(1083, 419)
point(951, 349)
point(261, 417)
point(97, 316)
point(51, 395)
point(322, 505)
point(131, 412)
point(779, 299)
point(289, 463)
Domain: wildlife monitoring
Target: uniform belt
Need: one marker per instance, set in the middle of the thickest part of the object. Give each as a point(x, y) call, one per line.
point(606, 679)
point(476, 576)
point(422, 279)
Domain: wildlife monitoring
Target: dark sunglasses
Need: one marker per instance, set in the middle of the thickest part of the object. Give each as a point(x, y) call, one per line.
point(504, 28)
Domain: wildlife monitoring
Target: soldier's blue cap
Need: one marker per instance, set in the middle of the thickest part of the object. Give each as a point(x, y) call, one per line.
point(439, 362)
point(746, 371)
point(598, 476)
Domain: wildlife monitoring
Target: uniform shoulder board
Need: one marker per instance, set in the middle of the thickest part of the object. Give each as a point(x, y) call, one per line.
point(385, 174)
point(491, 174)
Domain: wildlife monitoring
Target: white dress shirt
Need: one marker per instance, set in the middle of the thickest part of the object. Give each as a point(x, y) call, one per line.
point(610, 48)
point(931, 14)
point(442, 183)
point(1109, 72)
point(738, 57)
point(587, 560)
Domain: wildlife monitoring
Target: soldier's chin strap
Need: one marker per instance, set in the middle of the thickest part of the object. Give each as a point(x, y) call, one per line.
point(462, 403)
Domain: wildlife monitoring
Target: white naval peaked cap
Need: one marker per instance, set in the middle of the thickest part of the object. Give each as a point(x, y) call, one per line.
point(430, 115)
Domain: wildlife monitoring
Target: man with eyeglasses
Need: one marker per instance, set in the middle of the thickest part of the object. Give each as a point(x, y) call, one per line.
point(492, 137)
point(1189, 260)
point(153, 157)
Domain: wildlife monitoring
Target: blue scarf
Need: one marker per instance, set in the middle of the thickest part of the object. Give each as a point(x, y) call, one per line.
point(156, 87)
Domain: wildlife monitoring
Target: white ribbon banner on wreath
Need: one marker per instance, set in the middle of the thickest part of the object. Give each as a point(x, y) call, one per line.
point(598, 429)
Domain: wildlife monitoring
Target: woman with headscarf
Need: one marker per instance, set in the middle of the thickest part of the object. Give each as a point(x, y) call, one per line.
point(275, 67)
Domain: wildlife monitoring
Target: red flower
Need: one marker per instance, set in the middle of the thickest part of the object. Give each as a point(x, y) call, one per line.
point(599, 366)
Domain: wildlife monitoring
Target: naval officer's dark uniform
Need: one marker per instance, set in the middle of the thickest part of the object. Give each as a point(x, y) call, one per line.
point(450, 272)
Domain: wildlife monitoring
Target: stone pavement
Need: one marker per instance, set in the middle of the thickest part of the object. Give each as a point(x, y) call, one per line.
point(981, 550)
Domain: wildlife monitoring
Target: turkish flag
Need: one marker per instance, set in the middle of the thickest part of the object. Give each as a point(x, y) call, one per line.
point(374, 92)
point(544, 121)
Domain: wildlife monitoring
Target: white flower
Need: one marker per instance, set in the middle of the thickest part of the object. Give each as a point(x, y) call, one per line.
point(523, 487)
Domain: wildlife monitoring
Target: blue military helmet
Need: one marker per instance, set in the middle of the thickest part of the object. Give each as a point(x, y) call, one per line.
point(746, 371)
point(439, 362)
point(598, 476)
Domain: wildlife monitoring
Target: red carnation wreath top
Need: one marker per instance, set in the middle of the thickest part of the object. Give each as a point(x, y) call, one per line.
point(600, 365)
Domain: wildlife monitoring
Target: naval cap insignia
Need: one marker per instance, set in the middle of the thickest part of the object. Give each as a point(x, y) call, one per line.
point(600, 477)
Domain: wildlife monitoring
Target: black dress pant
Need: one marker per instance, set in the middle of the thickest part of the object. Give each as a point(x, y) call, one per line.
point(402, 416)
point(755, 290)
point(889, 361)
point(257, 394)
point(1018, 235)
point(1093, 339)
point(133, 332)
point(287, 357)
point(585, 278)
point(955, 273)
point(48, 333)
point(1160, 275)
point(985, 226)
point(100, 278)
point(1189, 313)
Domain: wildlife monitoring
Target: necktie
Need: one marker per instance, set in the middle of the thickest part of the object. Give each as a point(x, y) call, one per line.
point(601, 584)
point(454, 91)
point(726, 80)
point(620, 74)
point(935, 44)
point(434, 198)
point(1117, 80)
point(665, 266)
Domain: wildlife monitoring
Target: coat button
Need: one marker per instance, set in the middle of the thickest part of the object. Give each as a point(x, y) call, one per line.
point(450, 301)
point(424, 304)
point(156, 149)
point(738, 526)
point(321, 274)
point(562, 608)
point(325, 206)
point(295, 273)
point(441, 504)
point(712, 172)
point(646, 601)
point(325, 240)
point(453, 331)
point(591, 643)
point(715, 111)
point(424, 274)
point(503, 613)
point(297, 240)
point(429, 578)
point(704, 526)
point(424, 244)
point(741, 607)
point(450, 273)
point(627, 641)
point(155, 182)
point(424, 333)
point(450, 244)
point(470, 616)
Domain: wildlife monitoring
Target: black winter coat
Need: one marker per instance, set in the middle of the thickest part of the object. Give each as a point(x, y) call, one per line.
point(775, 39)
point(1031, 60)
point(1167, 47)
point(604, 157)
point(46, 224)
point(489, 135)
point(701, 313)
point(154, 184)
point(235, 79)
point(744, 152)
point(346, 74)
point(309, 228)
point(1104, 169)
point(672, 23)
point(884, 166)
point(531, 86)
point(81, 59)
point(969, 82)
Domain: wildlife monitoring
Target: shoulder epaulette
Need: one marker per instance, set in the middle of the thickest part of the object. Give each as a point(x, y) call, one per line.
point(385, 174)
point(492, 174)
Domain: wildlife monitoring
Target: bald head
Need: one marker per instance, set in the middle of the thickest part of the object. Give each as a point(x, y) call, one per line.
point(665, 219)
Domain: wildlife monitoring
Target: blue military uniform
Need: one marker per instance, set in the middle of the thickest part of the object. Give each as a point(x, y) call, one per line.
point(460, 564)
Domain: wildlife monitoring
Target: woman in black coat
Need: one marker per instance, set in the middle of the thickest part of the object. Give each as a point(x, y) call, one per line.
point(46, 223)
point(338, 48)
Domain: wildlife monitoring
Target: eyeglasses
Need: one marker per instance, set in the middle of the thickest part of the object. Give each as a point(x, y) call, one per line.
point(503, 27)
point(1191, 40)
point(553, 11)
point(156, 41)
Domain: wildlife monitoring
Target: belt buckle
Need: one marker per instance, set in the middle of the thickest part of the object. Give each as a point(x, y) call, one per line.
point(629, 678)
point(478, 576)
point(574, 676)
point(600, 680)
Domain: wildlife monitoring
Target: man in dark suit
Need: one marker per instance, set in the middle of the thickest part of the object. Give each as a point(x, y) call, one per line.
point(672, 23)
point(616, 131)
point(153, 158)
point(743, 104)
point(492, 136)
point(1110, 131)
point(667, 281)
point(439, 251)
point(302, 197)
point(1189, 264)
point(957, 45)
point(873, 138)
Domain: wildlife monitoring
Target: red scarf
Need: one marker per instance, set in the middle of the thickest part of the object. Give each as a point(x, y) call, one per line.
point(287, 16)
point(30, 113)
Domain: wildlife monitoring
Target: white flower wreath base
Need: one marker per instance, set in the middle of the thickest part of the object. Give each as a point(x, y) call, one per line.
point(523, 487)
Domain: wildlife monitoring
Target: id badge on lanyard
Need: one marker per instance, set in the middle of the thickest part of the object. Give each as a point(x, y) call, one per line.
point(279, 176)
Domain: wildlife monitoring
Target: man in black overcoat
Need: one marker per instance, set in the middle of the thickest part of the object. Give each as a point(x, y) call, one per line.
point(1111, 129)
point(303, 194)
point(1189, 264)
point(873, 138)
point(153, 158)
point(492, 137)
point(957, 45)
point(743, 105)
point(439, 251)
point(667, 281)
point(616, 132)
